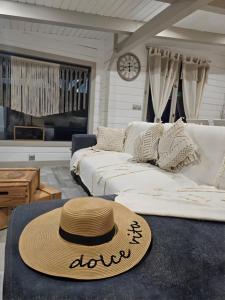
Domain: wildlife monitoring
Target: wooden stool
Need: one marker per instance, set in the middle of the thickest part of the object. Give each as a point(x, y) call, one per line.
point(46, 193)
point(20, 186)
point(5, 213)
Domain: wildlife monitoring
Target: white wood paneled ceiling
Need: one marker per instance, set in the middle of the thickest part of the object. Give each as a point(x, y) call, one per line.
point(60, 31)
point(132, 10)
point(140, 10)
point(204, 21)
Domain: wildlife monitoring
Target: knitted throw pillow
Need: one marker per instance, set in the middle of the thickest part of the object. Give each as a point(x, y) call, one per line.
point(146, 144)
point(176, 149)
point(110, 139)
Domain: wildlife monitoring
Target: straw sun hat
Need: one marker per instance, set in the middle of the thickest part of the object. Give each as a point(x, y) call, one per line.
point(88, 238)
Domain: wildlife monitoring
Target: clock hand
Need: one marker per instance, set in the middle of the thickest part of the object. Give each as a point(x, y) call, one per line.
point(129, 66)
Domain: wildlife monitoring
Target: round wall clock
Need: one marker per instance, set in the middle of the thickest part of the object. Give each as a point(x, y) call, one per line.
point(128, 66)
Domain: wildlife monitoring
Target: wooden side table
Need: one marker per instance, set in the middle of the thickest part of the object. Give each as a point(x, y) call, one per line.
point(19, 186)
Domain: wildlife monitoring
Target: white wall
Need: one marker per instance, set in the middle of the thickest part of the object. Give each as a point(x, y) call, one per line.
point(114, 97)
point(15, 153)
point(214, 97)
point(123, 94)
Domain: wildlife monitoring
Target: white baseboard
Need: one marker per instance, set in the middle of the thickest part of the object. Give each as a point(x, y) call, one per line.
point(34, 164)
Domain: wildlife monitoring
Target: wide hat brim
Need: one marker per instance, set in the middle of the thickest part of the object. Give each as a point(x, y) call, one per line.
point(42, 248)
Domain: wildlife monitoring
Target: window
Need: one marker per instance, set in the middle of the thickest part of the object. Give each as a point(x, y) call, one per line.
point(174, 108)
point(150, 111)
point(74, 83)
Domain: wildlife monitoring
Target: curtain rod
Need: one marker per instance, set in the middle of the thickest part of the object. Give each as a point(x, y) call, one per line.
point(72, 67)
point(44, 62)
point(181, 54)
point(34, 61)
point(61, 63)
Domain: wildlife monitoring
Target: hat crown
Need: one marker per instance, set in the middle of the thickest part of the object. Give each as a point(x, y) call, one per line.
point(88, 218)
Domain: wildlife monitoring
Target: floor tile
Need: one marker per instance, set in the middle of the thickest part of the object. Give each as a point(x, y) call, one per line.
point(3, 234)
point(2, 256)
point(1, 284)
point(72, 192)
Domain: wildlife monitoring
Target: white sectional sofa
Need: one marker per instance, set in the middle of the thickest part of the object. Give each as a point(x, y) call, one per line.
point(107, 172)
point(102, 173)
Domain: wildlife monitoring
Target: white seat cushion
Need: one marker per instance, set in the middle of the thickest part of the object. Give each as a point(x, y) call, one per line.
point(113, 172)
point(90, 165)
point(151, 179)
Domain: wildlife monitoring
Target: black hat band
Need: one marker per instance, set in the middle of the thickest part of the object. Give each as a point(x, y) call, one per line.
point(87, 240)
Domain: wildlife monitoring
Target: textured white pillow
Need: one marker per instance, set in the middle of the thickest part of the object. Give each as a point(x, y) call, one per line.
point(176, 149)
point(146, 144)
point(134, 129)
point(110, 139)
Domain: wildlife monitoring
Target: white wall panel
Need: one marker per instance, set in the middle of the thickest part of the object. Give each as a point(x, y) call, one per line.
point(13, 153)
point(123, 94)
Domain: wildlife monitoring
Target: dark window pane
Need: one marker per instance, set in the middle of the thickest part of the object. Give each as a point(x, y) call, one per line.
point(74, 90)
point(180, 113)
point(150, 110)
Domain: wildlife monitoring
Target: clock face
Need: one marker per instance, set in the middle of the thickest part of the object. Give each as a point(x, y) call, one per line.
point(128, 66)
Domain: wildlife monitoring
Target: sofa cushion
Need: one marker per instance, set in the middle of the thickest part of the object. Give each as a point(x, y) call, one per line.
point(220, 176)
point(211, 144)
point(176, 149)
point(110, 139)
point(113, 172)
point(134, 129)
point(146, 144)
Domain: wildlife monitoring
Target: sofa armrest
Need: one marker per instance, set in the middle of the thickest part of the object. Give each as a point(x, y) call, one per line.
point(80, 141)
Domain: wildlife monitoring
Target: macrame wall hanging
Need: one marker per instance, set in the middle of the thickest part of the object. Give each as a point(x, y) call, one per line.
point(39, 88)
point(34, 87)
point(5, 84)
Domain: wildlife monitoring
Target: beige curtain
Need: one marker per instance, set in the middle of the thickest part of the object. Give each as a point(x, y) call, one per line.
point(163, 67)
point(194, 75)
point(34, 87)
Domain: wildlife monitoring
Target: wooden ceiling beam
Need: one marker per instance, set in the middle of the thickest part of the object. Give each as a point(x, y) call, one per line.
point(169, 16)
point(217, 6)
point(193, 36)
point(166, 1)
